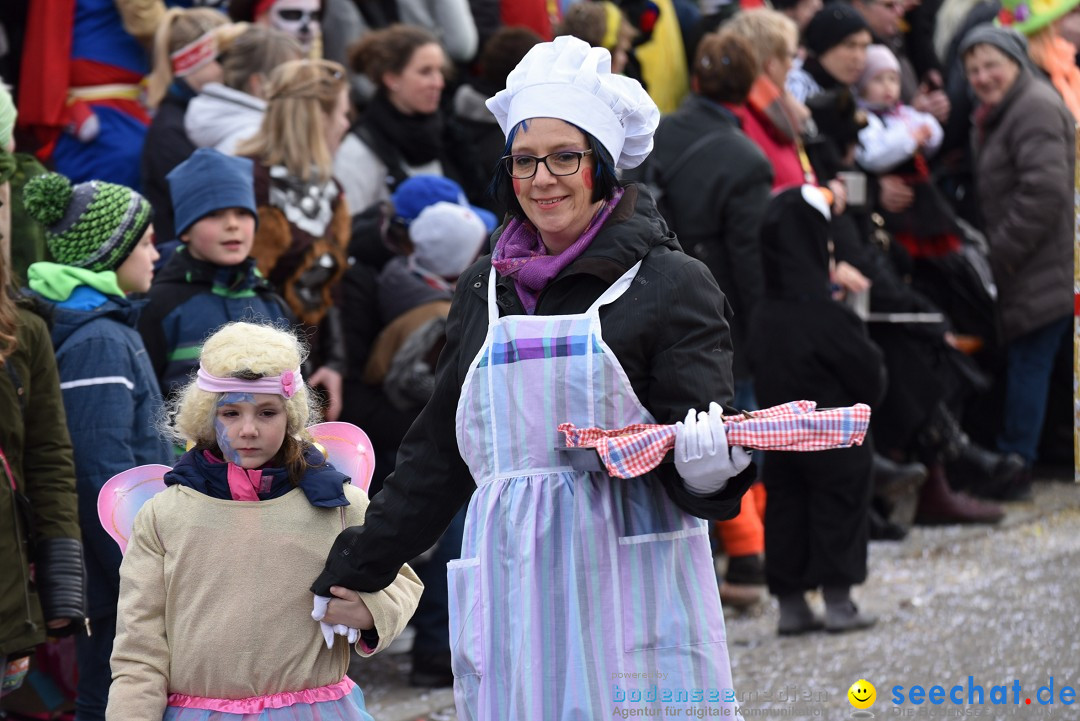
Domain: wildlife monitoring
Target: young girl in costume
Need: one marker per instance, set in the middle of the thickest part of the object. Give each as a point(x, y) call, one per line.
point(212, 621)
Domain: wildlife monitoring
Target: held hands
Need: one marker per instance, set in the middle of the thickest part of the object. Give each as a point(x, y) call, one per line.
point(350, 612)
point(701, 452)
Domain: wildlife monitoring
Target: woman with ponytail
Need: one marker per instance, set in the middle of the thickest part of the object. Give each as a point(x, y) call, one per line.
point(186, 49)
point(303, 223)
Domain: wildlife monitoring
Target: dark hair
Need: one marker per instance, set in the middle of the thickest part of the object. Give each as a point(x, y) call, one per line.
point(502, 186)
point(388, 50)
point(501, 54)
point(725, 67)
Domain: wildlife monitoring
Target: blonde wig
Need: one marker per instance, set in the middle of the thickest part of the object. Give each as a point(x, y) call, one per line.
point(179, 27)
point(249, 351)
point(772, 34)
point(300, 96)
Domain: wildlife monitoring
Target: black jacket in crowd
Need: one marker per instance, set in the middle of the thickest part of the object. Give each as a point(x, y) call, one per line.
point(808, 346)
point(166, 146)
point(715, 202)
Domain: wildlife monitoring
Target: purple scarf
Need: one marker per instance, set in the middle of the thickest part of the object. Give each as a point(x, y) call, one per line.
point(521, 254)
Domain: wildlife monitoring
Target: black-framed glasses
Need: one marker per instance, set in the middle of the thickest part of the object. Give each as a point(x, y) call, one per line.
point(562, 162)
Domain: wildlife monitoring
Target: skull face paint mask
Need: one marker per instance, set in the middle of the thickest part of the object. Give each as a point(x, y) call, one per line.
point(299, 18)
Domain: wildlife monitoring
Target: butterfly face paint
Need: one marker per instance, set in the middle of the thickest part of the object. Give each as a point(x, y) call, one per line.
point(250, 427)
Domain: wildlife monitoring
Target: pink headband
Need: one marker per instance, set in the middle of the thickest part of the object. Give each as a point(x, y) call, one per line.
point(282, 385)
point(194, 55)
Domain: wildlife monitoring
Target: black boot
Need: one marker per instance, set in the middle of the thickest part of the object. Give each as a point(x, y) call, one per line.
point(882, 529)
point(970, 467)
point(893, 481)
point(987, 474)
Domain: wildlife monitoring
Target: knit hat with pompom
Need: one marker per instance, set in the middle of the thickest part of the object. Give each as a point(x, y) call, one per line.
point(93, 225)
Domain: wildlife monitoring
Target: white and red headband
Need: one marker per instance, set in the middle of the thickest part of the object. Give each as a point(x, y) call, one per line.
point(196, 54)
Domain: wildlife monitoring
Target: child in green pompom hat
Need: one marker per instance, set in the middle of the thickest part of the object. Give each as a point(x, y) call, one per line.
point(102, 240)
point(92, 229)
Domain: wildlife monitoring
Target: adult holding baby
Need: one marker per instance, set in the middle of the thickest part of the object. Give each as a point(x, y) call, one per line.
point(588, 312)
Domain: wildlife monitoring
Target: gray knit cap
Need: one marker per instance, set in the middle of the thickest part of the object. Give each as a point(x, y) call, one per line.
point(1006, 40)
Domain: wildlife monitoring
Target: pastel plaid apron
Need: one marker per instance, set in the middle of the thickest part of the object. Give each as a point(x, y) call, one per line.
point(576, 594)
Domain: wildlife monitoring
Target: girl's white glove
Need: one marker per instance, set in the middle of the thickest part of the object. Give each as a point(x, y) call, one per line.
point(318, 612)
point(701, 452)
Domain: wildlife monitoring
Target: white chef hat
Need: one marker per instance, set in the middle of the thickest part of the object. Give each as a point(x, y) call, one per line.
point(569, 80)
point(446, 238)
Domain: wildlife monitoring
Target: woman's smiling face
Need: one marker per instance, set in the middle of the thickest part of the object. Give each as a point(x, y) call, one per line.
point(560, 206)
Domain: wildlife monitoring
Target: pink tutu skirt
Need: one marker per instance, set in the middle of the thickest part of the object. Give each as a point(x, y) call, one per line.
point(342, 701)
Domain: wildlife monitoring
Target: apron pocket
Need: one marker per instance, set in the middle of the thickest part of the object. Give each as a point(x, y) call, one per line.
point(668, 589)
point(466, 617)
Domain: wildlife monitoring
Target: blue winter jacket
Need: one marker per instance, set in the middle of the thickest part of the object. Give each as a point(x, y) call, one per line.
point(112, 402)
point(189, 300)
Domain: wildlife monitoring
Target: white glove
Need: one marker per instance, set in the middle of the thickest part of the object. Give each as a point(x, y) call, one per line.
point(317, 614)
point(701, 452)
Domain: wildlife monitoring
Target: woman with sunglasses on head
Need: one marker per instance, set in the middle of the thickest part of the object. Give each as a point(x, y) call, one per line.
point(587, 312)
point(303, 221)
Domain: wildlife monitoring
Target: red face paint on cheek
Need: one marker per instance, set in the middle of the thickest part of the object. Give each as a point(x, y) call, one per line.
point(587, 179)
point(517, 186)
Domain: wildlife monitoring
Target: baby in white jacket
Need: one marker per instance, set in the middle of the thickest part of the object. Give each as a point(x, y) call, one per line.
point(894, 131)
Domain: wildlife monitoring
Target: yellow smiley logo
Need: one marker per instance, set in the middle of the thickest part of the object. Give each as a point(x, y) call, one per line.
point(862, 694)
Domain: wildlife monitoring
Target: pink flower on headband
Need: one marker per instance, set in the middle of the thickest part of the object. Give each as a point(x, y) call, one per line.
point(288, 381)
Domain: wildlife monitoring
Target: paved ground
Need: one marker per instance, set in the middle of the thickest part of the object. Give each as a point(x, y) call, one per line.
point(997, 604)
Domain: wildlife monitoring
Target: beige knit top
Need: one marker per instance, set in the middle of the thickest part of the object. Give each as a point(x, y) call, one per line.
point(214, 600)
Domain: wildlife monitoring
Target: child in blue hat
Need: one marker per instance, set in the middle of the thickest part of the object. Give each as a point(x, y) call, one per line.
point(210, 279)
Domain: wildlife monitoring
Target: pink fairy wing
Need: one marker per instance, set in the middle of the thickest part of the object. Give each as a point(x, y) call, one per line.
point(348, 449)
point(123, 495)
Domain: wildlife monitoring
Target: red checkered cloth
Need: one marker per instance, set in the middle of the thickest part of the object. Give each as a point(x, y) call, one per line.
point(797, 426)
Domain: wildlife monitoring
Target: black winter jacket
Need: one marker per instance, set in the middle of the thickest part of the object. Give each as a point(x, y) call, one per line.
point(166, 146)
point(715, 202)
point(810, 347)
point(670, 333)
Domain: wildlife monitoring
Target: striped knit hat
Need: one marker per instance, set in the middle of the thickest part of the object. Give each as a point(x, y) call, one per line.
point(93, 225)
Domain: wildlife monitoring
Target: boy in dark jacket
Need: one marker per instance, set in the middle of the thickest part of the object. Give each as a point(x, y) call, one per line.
point(100, 236)
point(808, 346)
point(209, 280)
